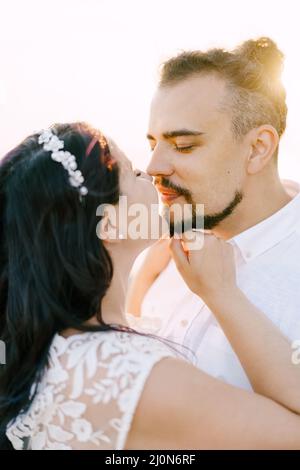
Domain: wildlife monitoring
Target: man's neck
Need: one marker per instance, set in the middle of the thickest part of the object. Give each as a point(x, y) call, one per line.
point(261, 200)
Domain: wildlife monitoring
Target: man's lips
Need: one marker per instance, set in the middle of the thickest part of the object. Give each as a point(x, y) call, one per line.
point(167, 195)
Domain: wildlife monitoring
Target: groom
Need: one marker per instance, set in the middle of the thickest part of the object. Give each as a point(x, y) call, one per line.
point(215, 126)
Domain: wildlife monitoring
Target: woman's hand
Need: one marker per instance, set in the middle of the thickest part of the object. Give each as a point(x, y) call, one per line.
point(208, 271)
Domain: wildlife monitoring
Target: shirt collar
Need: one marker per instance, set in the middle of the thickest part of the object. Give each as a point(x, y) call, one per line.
point(268, 233)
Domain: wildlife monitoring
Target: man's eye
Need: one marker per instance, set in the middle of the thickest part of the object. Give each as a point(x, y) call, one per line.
point(184, 149)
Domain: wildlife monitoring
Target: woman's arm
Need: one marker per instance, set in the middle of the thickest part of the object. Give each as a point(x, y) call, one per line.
point(264, 352)
point(181, 407)
point(155, 261)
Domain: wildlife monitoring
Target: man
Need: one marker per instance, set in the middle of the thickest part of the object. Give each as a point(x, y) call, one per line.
point(215, 125)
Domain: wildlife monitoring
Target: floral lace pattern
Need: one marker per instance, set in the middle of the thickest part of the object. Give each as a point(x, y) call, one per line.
point(89, 393)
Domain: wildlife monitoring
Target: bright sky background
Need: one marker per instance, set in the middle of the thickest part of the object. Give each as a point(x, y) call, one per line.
point(97, 60)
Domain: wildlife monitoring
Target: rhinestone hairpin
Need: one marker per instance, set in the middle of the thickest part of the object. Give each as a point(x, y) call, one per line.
point(51, 143)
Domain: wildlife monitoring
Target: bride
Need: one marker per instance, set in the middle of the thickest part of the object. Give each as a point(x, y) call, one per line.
point(76, 376)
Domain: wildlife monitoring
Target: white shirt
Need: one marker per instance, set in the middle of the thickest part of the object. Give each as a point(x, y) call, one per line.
point(268, 272)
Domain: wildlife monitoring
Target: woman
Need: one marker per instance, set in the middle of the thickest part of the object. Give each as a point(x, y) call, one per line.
point(76, 377)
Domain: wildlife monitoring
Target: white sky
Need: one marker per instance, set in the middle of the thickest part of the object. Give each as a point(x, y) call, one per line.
point(97, 60)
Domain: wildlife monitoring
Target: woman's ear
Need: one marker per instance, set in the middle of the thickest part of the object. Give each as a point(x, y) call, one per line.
point(264, 142)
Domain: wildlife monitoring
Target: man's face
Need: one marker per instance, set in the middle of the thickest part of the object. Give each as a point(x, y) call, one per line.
point(196, 158)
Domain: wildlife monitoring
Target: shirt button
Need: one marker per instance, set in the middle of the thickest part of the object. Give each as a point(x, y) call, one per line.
point(184, 323)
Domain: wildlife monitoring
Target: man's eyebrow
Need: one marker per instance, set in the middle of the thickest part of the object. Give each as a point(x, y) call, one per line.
point(177, 133)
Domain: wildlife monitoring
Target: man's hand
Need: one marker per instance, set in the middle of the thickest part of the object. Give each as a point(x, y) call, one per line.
point(209, 271)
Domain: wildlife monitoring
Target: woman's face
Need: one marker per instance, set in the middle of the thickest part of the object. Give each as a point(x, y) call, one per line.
point(140, 196)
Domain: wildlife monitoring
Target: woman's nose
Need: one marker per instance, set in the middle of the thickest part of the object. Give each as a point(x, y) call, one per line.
point(144, 175)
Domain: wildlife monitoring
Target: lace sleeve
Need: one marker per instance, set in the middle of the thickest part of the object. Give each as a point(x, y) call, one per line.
point(89, 395)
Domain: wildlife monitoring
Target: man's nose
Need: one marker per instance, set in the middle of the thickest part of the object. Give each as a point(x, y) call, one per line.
point(159, 163)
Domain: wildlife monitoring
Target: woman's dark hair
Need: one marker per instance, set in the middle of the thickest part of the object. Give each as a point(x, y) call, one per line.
point(54, 271)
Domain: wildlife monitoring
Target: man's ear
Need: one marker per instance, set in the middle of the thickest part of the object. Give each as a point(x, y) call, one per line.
point(106, 231)
point(264, 141)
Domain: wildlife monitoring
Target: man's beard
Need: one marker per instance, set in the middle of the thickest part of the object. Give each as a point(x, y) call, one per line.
point(196, 221)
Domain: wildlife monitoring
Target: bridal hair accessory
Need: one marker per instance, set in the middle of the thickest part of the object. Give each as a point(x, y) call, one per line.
point(91, 145)
point(51, 143)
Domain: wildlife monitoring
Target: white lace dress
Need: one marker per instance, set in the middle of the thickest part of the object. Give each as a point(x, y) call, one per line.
point(89, 393)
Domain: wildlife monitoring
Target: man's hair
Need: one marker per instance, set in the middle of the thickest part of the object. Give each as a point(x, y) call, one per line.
point(253, 75)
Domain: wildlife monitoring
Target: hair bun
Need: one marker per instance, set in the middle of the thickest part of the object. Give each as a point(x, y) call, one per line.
point(265, 52)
